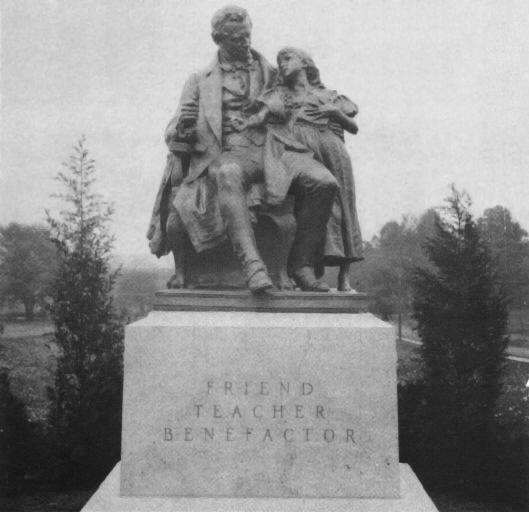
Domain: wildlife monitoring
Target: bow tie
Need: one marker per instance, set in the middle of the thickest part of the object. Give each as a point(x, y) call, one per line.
point(235, 66)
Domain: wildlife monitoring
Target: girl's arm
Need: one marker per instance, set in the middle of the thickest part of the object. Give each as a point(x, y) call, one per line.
point(257, 119)
point(336, 114)
point(341, 111)
point(346, 122)
point(348, 109)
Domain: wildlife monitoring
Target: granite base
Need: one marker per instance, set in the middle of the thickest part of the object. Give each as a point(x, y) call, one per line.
point(260, 404)
point(413, 499)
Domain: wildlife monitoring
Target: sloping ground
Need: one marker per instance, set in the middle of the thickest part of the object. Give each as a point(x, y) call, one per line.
point(28, 352)
point(46, 502)
point(457, 502)
point(74, 501)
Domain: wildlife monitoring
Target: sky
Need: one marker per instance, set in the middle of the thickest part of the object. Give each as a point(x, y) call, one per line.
point(443, 91)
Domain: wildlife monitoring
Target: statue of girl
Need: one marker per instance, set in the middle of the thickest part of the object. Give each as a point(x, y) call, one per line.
point(305, 118)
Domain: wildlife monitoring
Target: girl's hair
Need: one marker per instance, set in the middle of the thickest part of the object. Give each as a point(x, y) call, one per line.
point(313, 73)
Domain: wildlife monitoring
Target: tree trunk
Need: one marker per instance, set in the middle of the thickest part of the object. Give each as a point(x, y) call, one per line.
point(399, 305)
point(29, 307)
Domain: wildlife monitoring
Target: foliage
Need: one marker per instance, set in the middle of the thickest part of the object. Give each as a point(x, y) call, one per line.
point(509, 244)
point(27, 263)
point(87, 415)
point(391, 259)
point(392, 256)
point(461, 314)
point(15, 438)
point(508, 470)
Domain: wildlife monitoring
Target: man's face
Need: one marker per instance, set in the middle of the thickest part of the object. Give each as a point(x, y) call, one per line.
point(235, 40)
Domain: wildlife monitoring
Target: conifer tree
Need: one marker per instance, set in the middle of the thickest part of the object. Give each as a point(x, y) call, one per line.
point(88, 387)
point(461, 315)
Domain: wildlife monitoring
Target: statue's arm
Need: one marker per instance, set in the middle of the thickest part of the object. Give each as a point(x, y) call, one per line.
point(345, 121)
point(341, 112)
point(259, 118)
point(345, 114)
point(255, 120)
point(179, 133)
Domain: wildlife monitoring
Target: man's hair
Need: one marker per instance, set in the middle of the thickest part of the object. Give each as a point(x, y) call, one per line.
point(230, 14)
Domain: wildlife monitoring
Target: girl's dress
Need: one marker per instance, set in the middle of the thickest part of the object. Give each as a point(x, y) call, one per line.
point(296, 127)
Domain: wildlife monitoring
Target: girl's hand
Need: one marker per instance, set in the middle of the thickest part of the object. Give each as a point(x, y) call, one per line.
point(329, 110)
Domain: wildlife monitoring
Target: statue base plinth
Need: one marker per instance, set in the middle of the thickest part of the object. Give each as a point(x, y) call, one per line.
point(240, 403)
point(413, 499)
point(243, 300)
point(283, 401)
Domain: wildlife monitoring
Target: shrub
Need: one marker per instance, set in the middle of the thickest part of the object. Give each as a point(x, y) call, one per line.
point(461, 314)
point(88, 390)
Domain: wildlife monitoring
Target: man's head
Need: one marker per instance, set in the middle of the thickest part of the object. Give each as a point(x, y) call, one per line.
point(231, 30)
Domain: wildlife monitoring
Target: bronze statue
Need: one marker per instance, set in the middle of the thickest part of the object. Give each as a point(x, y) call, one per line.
point(216, 172)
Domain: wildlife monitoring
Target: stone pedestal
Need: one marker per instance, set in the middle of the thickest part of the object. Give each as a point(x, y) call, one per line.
point(413, 498)
point(285, 401)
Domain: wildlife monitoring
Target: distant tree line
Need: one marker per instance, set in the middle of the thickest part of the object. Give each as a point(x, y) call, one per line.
point(27, 266)
point(28, 262)
point(392, 257)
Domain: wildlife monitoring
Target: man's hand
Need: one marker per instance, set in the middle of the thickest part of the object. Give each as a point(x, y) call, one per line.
point(189, 113)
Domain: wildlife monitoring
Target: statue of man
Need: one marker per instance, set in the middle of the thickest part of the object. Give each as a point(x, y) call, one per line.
point(225, 164)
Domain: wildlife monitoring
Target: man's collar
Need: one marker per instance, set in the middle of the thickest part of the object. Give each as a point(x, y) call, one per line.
point(256, 56)
point(231, 65)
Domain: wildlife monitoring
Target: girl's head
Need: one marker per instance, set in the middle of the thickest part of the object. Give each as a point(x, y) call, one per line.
point(292, 60)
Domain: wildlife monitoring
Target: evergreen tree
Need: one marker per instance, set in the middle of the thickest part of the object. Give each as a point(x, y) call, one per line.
point(88, 388)
point(509, 244)
point(461, 315)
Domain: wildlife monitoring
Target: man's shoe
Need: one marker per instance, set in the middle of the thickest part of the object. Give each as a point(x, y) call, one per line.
point(259, 282)
point(304, 277)
point(176, 281)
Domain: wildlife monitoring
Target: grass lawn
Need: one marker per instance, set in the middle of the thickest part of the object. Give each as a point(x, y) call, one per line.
point(457, 502)
point(28, 352)
point(22, 329)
